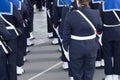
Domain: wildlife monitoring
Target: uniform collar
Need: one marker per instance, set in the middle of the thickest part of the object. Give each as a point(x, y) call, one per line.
point(110, 5)
point(61, 3)
point(17, 3)
point(6, 7)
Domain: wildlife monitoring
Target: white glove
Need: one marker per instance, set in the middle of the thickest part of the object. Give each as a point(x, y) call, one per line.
point(66, 53)
point(100, 39)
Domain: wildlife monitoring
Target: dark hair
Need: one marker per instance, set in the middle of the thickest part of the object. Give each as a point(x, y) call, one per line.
point(84, 2)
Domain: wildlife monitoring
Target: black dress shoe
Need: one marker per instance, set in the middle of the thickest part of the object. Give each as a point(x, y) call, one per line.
point(32, 38)
point(30, 45)
point(28, 51)
point(50, 37)
point(101, 67)
point(41, 10)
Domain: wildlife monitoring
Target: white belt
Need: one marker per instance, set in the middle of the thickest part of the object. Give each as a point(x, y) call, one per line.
point(5, 50)
point(83, 38)
point(111, 25)
point(10, 28)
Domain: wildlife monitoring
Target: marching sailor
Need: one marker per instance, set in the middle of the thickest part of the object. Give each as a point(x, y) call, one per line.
point(4, 53)
point(13, 20)
point(57, 11)
point(26, 22)
point(21, 39)
point(79, 39)
point(96, 4)
point(30, 8)
point(111, 38)
point(67, 8)
point(49, 6)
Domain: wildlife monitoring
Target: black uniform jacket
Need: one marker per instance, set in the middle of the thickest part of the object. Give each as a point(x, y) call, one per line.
point(16, 20)
point(111, 33)
point(3, 31)
point(76, 25)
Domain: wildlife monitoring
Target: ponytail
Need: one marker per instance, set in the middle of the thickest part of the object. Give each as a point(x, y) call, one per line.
point(84, 2)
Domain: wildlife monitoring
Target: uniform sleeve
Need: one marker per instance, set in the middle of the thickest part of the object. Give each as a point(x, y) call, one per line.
point(66, 32)
point(29, 6)
point(64, 12)
point(55, 14)
point(18, 18)
point(26, 15)
point(48, 4)
point(100, 24)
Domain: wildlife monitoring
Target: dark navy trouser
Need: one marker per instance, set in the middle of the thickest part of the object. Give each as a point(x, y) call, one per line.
point(3, 65)
point(83, 66)
point(11, 65)
point(111, 50)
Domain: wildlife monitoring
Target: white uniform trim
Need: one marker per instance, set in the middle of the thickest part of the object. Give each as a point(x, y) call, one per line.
point(85, 37)
point(10, 25)
point(5, 50)
point(93, 1)
point(111, 25)
point(20, 5)
point(117, 25)
point(86, 19)
point(9, 28)
point(116, 15)
point(60, 5)
point(22, 0)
